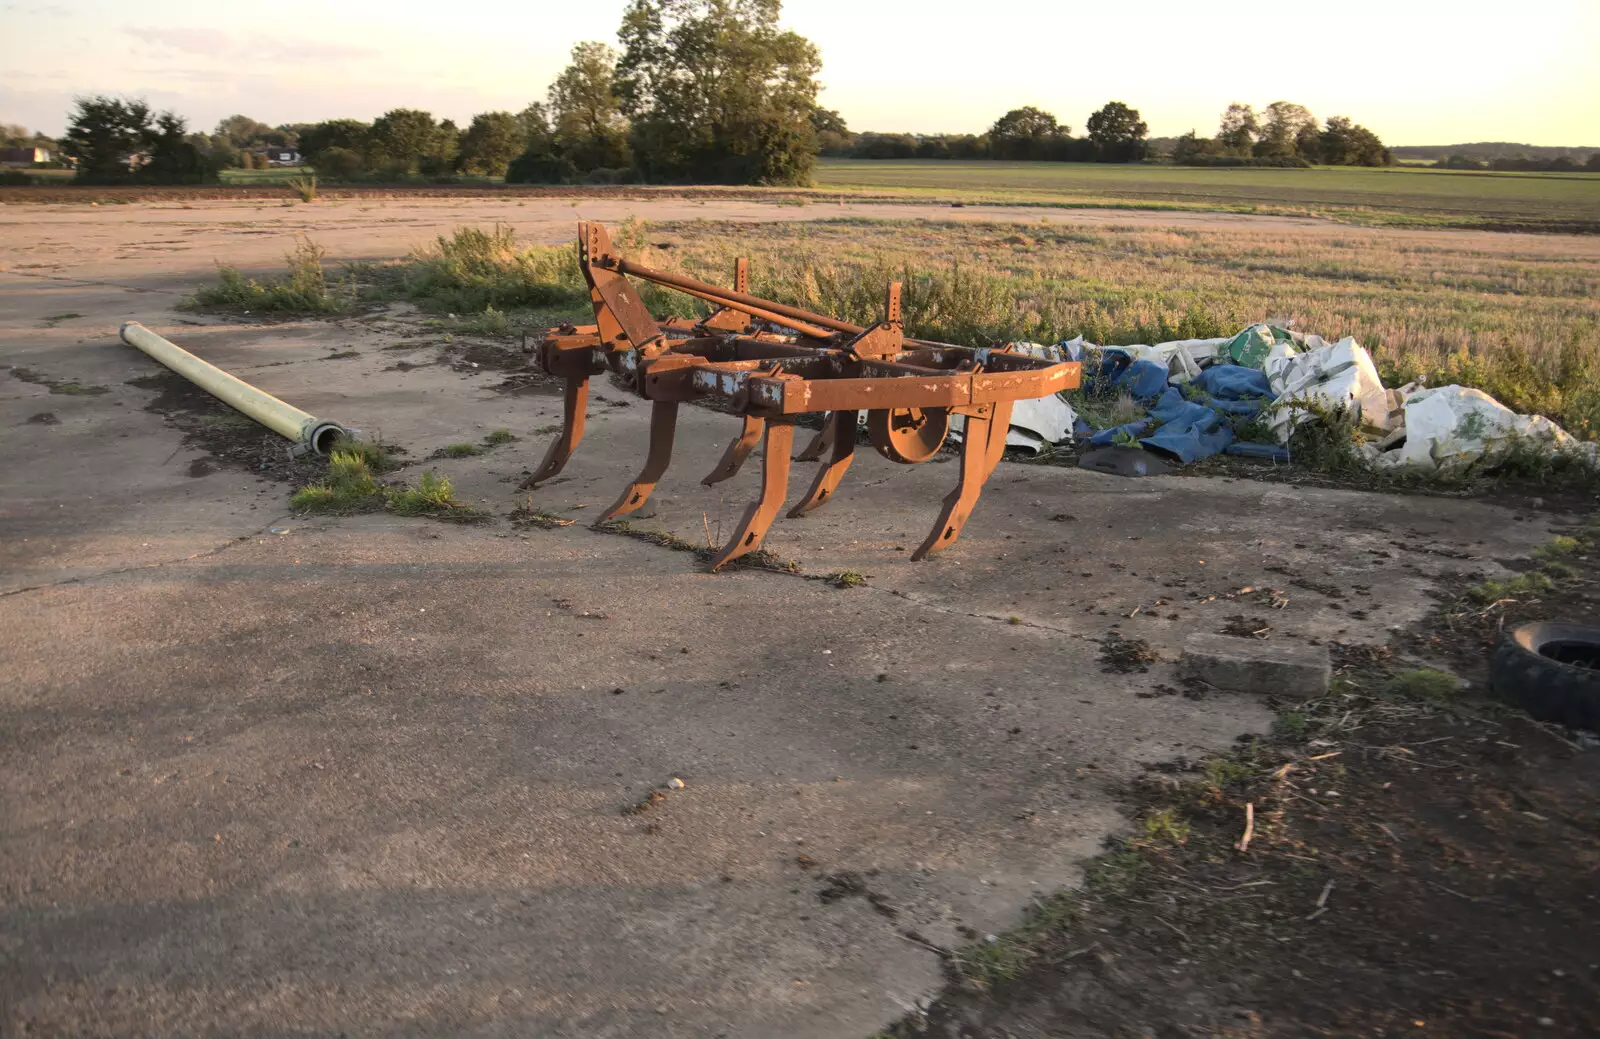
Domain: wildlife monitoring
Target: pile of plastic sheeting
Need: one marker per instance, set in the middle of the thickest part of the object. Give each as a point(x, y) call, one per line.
point(1193, 393)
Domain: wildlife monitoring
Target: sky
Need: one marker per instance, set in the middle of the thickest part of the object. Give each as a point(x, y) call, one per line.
point(1414, 71)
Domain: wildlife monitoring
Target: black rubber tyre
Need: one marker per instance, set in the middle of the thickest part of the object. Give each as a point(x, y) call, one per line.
point(1550, 670)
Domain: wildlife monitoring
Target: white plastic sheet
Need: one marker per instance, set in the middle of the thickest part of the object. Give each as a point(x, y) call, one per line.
point(1034, 423)
point(1450, 427)
point(1340, 375)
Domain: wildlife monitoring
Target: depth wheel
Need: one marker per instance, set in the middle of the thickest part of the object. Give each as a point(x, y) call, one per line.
point(908, 435)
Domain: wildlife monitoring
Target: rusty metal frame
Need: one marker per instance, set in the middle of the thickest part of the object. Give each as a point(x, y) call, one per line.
point(770, 363)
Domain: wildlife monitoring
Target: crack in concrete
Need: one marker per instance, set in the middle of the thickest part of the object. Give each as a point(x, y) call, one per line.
point(113, 571)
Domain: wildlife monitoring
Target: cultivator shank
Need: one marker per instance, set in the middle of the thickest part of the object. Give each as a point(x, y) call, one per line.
point(772, 363)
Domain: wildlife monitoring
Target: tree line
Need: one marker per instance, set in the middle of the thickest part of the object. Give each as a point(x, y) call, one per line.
point(1285, 134)
point(1114, 133)
point(701, 91)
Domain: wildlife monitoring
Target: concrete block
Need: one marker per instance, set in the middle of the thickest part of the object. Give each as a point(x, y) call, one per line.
point(1255, 666)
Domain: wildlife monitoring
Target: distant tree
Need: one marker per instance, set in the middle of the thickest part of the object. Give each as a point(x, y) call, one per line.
point(1308, 142)
point(1283, 125)
point(1028, 133)
point(1117, 133)
point(403, 138)
point(1237, 133)
point(1346, 143)
point(586, 117)
point(717, 92)
point(243, 131)
point(1593, 165)
point(105, 137)
point(440, 158)
point(348, 135)
point(491, 142)
point(833, 136)
point(1193, 150)
point(338, 163)
point(173, 158)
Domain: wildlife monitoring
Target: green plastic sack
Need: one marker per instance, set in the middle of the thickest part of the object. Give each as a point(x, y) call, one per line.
point(1250, 347)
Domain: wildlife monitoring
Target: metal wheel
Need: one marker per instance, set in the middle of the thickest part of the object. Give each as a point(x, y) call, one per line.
point(908, 435)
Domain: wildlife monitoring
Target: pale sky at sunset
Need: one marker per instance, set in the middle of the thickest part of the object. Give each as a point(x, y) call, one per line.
point(1415, 71)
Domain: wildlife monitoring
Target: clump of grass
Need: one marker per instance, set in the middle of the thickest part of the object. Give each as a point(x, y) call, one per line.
point(348, 487)
point(378, 456)
point(1220, 771)
point(491, 322)
point(1163, 826)
point(305, 186)
point(458, 451)
point(474, 270)
point(1520, 587)
point(1424, 683)
point(1557, 547)
point(496, 437)
point(433, 496)
point(846, 579)
point(304, 290)
point(1291, 724)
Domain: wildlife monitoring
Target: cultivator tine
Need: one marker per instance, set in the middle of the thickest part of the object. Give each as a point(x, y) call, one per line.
point(779, 442)
point(575, 405)
point(841, 428)
point(982, 443)
point(819, 443)
point(738, 450)
point(770, 363)
point(663, 423)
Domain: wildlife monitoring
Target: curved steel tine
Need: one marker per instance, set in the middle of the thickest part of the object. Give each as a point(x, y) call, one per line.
point(738, 450)
point(841, 428)
point(978, 445)
point(774, 485)
point(574, 409)
point(663, 423)
point(819, 443)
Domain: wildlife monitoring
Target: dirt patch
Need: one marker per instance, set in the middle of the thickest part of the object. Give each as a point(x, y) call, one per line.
point(494, 356)
point(1122, 656)
point(229, 439)
point(44, 418)
point(66, 387)
point(528, 382)
point(1411, 867)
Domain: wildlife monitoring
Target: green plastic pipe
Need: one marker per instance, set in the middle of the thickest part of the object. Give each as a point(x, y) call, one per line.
point(307, 432)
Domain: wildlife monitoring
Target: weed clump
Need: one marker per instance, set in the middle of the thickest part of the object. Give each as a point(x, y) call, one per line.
point(304, 290)
point(475, 270)
point(433, 496)
point(497, 437)
point(348, 487)
point(846, 579)
point(1425, 683)
point(458, 451)
point(304, 186)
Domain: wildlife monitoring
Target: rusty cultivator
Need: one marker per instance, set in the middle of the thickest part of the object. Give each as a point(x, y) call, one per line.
point(772, 363)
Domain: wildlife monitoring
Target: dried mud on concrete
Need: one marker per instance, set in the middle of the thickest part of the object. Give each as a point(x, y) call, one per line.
point(370, 775)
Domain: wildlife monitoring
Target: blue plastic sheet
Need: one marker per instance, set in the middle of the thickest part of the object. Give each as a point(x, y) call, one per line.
point(1250, 449)
point(1189, 431)
point(1234, 382)
point(1143, 379)
point(1109, 436)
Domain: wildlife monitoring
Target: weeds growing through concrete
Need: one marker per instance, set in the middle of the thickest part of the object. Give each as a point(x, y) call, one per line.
point(304, 290)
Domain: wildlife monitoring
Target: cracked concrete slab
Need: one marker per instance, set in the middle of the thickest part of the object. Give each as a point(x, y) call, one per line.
point(375, 776)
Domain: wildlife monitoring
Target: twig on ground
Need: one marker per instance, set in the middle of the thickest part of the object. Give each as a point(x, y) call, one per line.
point(1249, 826)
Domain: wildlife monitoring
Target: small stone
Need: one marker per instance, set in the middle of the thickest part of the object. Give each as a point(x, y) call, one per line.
point(674, 783)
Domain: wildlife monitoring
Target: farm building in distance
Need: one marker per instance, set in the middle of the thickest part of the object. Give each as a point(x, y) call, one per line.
point(28, 156)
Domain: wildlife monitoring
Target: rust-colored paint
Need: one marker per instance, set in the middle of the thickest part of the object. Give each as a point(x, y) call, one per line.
point(798, 363)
